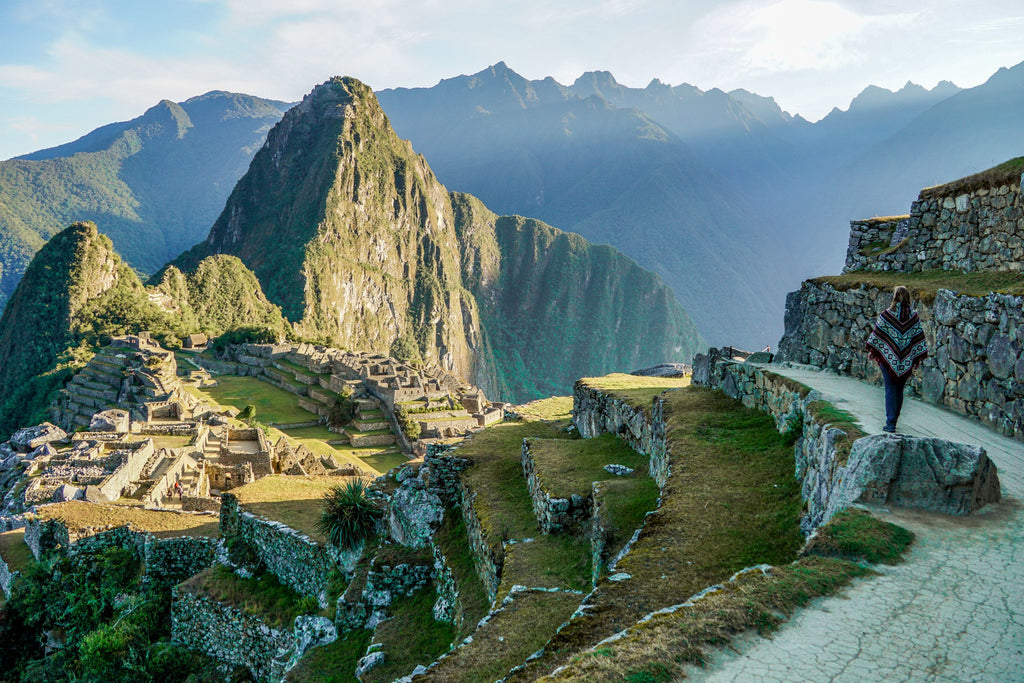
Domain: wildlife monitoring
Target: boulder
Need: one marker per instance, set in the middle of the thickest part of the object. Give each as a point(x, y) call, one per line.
point(310, 631)
point(68, 492)
point(665, 370)
point(30, 438)
point(917, 472)
point(413, 514)
point(113, 420)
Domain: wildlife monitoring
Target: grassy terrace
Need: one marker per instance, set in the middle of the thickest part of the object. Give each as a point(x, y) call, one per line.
point(925, 285)
point(295, 367)
point(79, 515)
point(731, 502)
point(658, 649)
point(636, 390)
point(1006, 173)
point(410, 637)
point(565, 467)
point(14, 551)
point(287, 499)
point(262, 596)
point(334, 662)
point(272, 404)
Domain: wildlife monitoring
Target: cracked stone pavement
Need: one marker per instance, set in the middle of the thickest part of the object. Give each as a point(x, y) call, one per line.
point(953, 611)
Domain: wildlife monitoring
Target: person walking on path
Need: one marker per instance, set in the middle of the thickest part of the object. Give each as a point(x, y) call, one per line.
point(897, 344)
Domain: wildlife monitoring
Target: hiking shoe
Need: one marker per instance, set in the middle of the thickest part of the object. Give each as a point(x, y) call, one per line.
point(889, 428)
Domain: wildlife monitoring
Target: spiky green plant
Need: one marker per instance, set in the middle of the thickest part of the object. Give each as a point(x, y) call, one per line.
point(349, 516)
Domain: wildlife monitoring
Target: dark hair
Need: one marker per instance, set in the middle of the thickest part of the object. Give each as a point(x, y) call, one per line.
point(901, 301)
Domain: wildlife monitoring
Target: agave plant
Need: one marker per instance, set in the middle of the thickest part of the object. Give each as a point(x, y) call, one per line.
point(349, 516)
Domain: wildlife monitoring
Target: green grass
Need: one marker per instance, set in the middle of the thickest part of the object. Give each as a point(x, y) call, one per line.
point(1006, 173)
point(824, 412)
point(272, 404)
point(289, 366)
point(334, 662)
point(637, 391)
point(548, 561)
point(924, 285)
point(473, 604)
point(554, 409)
point(14, 551)
point(570, 466)
point(410, 636)
point(316, 433)
point(262, 596)
point(291, 500)
point(508, 638)
point(730, 502)
point(855, 535)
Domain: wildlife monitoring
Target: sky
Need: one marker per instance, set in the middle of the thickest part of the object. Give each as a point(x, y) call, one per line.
point(69, 66)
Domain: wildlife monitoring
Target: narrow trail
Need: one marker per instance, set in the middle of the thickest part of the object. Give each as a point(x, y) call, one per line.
point(953, 611)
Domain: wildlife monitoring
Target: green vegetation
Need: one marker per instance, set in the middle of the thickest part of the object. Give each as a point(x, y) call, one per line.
point(348, 517)
point(113, 626)
point(1006, 173)
point(409, 425)
point(554, 409)
point(14, 551)
point(343, 410)
point(755, 601)
point(262, 596)
point(731, 502)
point(570, 467)
point(290, 500)
point(334, 662)
point(273, 405)
point(924, 285)
point(473, 604)
point(79, 515)
point(824, 412)
point(856, 535)
point(634, 389)
point(410, 636)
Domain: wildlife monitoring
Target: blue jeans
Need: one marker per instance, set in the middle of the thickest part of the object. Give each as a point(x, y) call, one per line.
point(893, 397)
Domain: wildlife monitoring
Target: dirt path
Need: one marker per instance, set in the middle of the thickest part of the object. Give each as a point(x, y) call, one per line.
point(954, 611)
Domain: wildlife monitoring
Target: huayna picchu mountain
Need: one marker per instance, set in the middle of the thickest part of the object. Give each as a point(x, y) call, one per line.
point(349, 231)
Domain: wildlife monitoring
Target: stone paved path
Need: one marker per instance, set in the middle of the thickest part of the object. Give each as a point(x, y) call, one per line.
point(953, 611)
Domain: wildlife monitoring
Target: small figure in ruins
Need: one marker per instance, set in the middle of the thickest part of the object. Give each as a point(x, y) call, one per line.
point(897, 344)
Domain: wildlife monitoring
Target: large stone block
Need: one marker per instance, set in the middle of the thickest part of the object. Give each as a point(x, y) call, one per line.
point(917, 472)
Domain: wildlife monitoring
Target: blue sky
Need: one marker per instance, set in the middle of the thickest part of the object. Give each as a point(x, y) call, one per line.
point(69, 66)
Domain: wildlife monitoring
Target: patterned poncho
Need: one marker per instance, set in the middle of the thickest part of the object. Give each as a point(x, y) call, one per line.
point(899, 345)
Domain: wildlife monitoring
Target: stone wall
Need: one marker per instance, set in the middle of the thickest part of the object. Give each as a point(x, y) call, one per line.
point(488, 564)
point(448, 606)
point(553, 514)
point(229, 634)
point(754, 386)
point(972, 231)
point(595, 412)
point(128, 472)
point(294, 558)
point(443, 470)
point(176, 559)
point(975, 363)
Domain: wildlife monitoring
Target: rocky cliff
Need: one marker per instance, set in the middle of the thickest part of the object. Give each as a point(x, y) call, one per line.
point(349, 231)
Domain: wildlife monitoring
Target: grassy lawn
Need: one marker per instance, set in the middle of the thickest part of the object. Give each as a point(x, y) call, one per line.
point(410, 636)
point(567, 466)
point(556, 409)
point(80, 515)
point(636, 390)
point(272, 404)
point(291, 500)
point(14, 550)
point(925, 285)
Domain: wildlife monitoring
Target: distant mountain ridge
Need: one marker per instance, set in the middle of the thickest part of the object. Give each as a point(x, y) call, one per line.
point(155, 183)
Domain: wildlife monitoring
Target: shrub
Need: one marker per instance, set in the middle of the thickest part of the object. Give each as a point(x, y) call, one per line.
point(348, 516)
point(248, 412)
point(409, 425)
point(342, 411)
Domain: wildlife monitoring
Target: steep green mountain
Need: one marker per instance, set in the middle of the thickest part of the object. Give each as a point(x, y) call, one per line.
point(75, 288)
point(583, 158)
point(155, 183)
point(351, 234)
point(77, 291)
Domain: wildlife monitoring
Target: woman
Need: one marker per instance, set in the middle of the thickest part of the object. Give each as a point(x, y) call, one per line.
point(897, 344)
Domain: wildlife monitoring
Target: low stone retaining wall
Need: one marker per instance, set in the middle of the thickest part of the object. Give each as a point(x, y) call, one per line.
point(448, 606)
point(975, 363)
point(553, 514)
point(176, 559)
point(957, 479)
point(294, 558)
point(595, 412)
point(229, 635)
point(488, 565)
